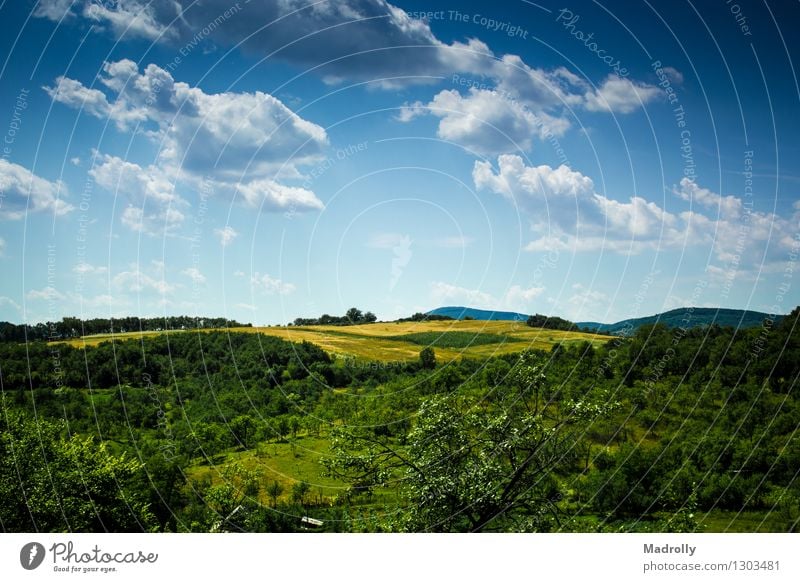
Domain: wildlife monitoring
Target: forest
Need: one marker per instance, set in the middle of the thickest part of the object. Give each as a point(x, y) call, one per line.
point(668, 430)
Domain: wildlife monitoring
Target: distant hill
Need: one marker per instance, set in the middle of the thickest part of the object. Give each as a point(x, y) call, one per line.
point(698, 316)
point(479, 314)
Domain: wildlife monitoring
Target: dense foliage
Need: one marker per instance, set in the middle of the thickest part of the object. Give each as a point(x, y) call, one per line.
point(550, 322)
point(354, 316)
point(75, 327)
point(667, 430)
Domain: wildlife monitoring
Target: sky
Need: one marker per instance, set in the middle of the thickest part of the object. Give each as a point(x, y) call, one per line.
point(265, 160)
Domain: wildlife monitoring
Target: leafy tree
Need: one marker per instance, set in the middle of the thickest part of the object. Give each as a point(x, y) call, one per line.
point(50, 483)
point(242, 427)
point(354, 315)
point(299, 492)
point(427, 358)
point(468, 467)
point(274, 490)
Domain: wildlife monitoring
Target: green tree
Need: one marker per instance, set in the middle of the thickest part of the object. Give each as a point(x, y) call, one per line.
point(471, 467)
point(242, 427)
point(354, 315)
point(427, 358)
point(299, 492)
point(274, 490)
point(52, 484)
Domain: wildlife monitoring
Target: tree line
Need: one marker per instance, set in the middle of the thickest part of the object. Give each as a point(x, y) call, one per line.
point(71, 327)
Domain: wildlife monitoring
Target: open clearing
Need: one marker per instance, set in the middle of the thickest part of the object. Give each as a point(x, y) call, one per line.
point(384, 341)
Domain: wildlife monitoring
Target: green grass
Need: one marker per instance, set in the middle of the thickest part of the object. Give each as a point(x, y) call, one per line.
point(452, 339)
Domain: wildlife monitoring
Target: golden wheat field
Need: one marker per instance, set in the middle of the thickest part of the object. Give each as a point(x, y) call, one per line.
point(385, 341)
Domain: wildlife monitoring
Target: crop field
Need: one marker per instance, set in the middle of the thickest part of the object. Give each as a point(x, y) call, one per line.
point(404, 340)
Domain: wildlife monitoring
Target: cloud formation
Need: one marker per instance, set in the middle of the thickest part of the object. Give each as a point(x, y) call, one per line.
point(566, 213)
point(232, 143)
point(22, 192)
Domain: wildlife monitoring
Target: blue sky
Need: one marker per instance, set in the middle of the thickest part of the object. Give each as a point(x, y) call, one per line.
point(267, 160)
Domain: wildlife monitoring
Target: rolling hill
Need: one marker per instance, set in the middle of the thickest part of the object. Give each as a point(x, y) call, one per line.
point(478, 314)
point(684, 316)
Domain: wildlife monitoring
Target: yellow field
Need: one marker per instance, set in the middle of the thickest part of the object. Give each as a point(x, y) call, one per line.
point(369, 341)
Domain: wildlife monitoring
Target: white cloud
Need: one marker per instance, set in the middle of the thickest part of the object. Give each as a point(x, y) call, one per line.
point(246, 306)
point(567, 214)
point(619, 95)
point(127, 18)
point(271, 286)
point(226, 235)
point(53, 9)
point(46, 294)
point(268, 194)
point(2, 246)
point(137, 281)
point(195, 275)
point(7, 301)
point(488, 122)
point(24, 192)
point(727, 206)
point(233, 143)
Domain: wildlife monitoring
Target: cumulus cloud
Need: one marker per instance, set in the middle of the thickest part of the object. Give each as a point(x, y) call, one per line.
point(8, 302)
point(24, 192)
point(226, 235)
point(508, 116)
point(150, 20)
point(195, 275)
point(136, 280)
point(232, 143)
point(45, 294)
point(567, 213)
point(619, 95)
point(270, 285)
point(487, 122)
